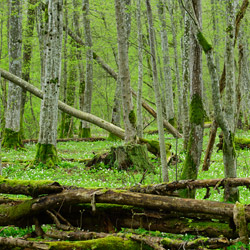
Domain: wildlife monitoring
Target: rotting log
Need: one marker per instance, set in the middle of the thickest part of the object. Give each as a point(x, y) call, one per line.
point(29, 188)
point(92, 139)
point(29, 208)
point(166, 188)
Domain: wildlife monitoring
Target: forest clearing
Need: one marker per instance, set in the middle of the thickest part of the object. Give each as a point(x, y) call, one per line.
point(124, 124)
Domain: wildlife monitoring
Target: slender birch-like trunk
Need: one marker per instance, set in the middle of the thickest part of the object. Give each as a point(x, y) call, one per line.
point(89, 68)
point(27, 52)
point(193, 156)
point(186, 77)
point(128, 112)
point(140, 72)
point(229, 154)
point(12, 133)
point(157, 94)
point(46, 148)
point(176, 60)
point(168, 89)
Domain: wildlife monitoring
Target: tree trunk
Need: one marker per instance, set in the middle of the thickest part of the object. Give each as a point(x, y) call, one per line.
point(140, 72)
point(168, 89)
point(27, 52)
point(193, 155)
point(12, 133)
point(46, 149)
point(89, 69)
point(122, 36)
point(157, 94)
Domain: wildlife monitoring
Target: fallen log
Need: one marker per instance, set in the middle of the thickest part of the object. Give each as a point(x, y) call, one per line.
point(29, 208)
point(92, 139)
point(29, 188)
point(166, 188)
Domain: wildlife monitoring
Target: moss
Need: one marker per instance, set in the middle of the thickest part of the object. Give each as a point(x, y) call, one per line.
point(31, 183)
point(108, 243)
point(113, 137)
point(197, 112)
point(46, 154)
point(132, 118)
point(12, 139)
point(203, 42)
point(154, 147)
point(85, 133)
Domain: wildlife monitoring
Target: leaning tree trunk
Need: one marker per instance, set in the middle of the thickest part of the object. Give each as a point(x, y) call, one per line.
point(46, 147)
point(89, 69)
point(12, 133)
point(193, 155)
point(157, 94)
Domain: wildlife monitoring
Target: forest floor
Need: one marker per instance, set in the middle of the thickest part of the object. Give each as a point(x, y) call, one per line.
point(71, 171)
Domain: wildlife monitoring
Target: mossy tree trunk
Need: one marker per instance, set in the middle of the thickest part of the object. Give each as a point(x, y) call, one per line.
point(12, 133)
point(46, 147)
point(193, 155)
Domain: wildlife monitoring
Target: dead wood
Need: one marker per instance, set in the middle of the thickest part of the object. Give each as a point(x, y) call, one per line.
point(166, 188)
point(92, 139)
point(27, 187)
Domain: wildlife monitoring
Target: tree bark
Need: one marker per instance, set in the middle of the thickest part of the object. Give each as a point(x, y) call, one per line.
point(157, 95)
point(12, 134)
point(46, 150)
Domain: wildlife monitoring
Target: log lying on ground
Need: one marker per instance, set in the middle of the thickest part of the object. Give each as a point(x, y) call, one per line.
point(92, 139)
point(30, 188)
point(27, 209)
point(165, 188)
point(240, 143)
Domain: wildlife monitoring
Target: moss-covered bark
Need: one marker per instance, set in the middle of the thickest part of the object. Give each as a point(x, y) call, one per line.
point(113, 137)
point(12, 139)
point(85, 133)
point(46, 154)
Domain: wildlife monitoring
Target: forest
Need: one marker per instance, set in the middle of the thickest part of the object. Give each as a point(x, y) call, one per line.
point(124, 124)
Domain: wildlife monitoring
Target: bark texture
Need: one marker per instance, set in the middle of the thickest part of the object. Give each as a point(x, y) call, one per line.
point(13, 112)
point(49, 105)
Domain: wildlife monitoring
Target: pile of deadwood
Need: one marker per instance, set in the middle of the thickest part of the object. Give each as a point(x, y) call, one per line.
point(87, 218)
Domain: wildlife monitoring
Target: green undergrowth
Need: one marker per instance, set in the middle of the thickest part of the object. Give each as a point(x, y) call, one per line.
point(74, 173)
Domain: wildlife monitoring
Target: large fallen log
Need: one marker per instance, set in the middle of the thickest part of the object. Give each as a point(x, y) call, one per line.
point(166, 188)
point(29, 188)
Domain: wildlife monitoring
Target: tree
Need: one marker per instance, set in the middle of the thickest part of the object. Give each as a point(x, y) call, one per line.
point(157, 95)
point(12, 133)
point(46, 147)
point(89, 68)
point(194, 149)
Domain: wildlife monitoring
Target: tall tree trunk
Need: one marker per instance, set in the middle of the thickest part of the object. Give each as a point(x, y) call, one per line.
point(89, 69)
point(27, 52)
point(46, 148)
point(229, 154)
point(140, 72)
point(128, 112)
point(168, 89)
point(157, 94)
point(186, 77)
point(12, 133)
point(192, 161)
point(64, 76)
point(176, 60)
point(76, 18)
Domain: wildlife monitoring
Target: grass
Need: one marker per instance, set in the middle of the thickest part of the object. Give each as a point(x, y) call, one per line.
point(16, 166)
